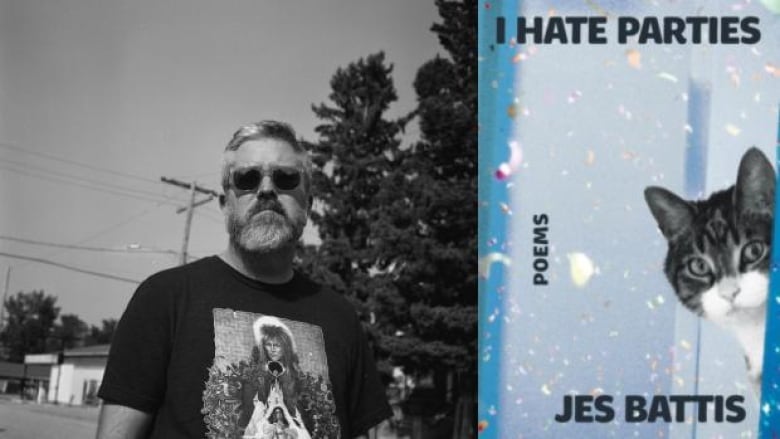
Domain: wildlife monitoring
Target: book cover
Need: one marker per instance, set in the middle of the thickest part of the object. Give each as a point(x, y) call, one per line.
point(627, 174)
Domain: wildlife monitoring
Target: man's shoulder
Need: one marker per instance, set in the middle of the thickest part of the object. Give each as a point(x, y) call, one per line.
point(327, 296)
point(175, 275)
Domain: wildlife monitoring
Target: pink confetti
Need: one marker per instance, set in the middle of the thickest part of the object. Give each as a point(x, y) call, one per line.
point(515, 159)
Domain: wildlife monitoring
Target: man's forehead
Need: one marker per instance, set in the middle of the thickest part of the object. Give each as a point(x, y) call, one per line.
point(265, 152)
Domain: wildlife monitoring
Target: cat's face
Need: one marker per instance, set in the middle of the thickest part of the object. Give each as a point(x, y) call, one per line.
point(718, 258)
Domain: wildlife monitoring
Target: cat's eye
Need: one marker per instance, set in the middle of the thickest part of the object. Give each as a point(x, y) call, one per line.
point(753, 252)
point(698, 267)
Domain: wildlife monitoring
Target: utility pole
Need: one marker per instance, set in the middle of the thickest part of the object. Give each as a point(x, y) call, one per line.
point(5, 296)
point(190, 209)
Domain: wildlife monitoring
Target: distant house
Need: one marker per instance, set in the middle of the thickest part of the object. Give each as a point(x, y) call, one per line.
point(77, 377)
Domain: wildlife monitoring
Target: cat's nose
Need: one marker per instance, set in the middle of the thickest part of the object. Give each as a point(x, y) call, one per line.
point(728, 288)
point(730, 293)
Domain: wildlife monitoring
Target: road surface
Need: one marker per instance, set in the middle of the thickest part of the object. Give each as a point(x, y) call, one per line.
point(32, 421)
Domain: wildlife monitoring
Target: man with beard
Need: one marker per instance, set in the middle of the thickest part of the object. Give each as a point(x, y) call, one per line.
point(163, 378)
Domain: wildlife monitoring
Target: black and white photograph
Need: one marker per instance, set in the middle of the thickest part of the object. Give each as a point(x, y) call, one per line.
point(243, 219)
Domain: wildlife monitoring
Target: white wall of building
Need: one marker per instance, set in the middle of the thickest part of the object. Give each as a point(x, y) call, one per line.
point(71, 376)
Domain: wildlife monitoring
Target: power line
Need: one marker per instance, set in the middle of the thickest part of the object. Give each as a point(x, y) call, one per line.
point(68, 267)
point(98, 183)
point(113, 172)
point(87, 248)
point(108, 229)
point(73, 183)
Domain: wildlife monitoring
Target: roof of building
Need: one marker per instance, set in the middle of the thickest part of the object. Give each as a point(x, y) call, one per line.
point(99, 350)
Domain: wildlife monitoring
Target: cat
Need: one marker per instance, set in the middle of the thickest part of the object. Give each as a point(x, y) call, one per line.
point(718, 256)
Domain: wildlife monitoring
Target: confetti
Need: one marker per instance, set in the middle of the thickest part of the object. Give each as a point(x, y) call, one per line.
point(512, 111)
point(505, 208)
point(685, 344)
point(772, 70)
point(624, 112)
point(515, 160)
point(668, 76)
point(733, 129)
point(522, 56)
point(482, 426)
point(574, 96)
point(634, 58)
point(546, 390)
point(487, 261)
point(772, 5)
point(591, 158)
point(503, 171)
point(581, 268)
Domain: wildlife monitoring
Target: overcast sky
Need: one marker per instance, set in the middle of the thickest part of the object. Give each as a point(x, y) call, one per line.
point(99, 99)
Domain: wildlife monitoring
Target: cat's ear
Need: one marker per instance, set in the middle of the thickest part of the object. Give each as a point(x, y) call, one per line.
point(755, 191)
point(672, 213)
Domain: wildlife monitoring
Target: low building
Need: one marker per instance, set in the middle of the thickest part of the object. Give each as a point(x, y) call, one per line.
point(76, 374)
point(31, 379)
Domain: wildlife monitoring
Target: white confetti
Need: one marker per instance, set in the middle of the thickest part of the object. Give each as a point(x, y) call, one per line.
point(733, 129)
point(668, 76)
point(581, 268)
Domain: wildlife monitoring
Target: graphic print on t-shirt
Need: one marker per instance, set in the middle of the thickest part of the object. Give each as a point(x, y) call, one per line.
point(269, 379)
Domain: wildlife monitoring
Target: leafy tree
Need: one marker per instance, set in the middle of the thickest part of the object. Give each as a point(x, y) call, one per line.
point(102, 334)
point(30, 318)
point(70, 332)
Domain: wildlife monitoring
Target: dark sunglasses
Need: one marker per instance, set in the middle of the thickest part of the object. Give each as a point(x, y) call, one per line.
point(249, 179)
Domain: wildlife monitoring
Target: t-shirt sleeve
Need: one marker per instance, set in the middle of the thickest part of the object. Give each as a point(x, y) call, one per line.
point(368, 403)
point(138, 359)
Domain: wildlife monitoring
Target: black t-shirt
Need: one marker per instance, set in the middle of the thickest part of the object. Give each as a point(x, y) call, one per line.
point(196, 348)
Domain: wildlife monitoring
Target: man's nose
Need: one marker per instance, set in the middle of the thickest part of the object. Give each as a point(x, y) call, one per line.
point(266, 185)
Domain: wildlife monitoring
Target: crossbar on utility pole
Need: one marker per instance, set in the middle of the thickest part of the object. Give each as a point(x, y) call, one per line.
point(190, 209)
point(185, 185)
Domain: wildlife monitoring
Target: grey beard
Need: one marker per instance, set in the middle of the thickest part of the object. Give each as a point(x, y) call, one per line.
point(263, 233)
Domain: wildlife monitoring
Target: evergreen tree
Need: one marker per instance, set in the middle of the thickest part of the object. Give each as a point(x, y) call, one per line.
point(355, 153)
point(398, 226)
point(428, 226)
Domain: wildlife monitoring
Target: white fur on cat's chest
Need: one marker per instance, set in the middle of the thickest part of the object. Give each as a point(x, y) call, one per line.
point(743, 314)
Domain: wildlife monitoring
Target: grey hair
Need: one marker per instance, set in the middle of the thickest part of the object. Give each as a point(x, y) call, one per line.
point(266, 129)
